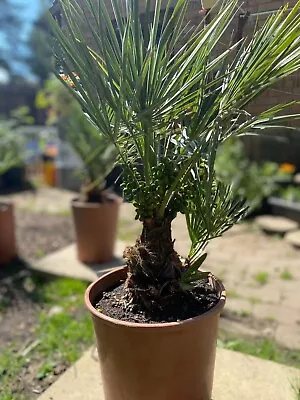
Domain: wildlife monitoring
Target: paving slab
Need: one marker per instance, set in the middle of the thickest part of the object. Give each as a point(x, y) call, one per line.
point(65, 263)
point(289, 336)
point(286, 315)
point(276, 224)
point(293, 238)
point(237, 377)
point(296, 179)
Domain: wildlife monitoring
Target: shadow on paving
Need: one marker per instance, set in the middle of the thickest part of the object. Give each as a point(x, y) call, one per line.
point(6, 190)
point(102, 269)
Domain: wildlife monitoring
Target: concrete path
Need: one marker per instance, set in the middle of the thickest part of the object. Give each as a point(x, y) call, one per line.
point(237, 377)
point(65, 263)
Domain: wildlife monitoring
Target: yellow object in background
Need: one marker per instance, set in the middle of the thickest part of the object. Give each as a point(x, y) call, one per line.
point(287, 168)
point(50, 173)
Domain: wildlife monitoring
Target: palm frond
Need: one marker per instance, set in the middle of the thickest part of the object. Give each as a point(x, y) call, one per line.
point(166, 98)
point(212, 210)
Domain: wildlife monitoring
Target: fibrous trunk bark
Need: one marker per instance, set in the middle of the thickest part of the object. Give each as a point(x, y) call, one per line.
point(154, 266)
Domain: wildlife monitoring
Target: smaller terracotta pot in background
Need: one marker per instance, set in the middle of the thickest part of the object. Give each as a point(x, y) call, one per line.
point(8, 248)
point(171, 361)
point(96, 229)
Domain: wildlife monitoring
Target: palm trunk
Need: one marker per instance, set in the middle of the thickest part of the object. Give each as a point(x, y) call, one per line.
point(153, 264)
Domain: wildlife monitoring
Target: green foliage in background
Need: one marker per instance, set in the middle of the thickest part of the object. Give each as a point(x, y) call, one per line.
point(290, 194)
point(249, 180)
point(11, 146)
point(21, 116)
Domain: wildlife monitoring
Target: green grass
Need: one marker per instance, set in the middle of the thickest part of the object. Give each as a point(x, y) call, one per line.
point(222, 274)
point(4, 303)
point(11, 365)
point(62, 337)
point(32, 207)
point(266, 349)
point(242, 313)
point(61, 213)
point(286, 275)
point(128, 236)
point(296, 388)
point(254, 300)
point(262, 277)
point(46, 369)
point(245, 313)
point(36, 183)
point(276, 236)
point(8, 394)
point(39, 253)
point(61, 292)
point(128, 231)
point(271, 318)
point(232, 294)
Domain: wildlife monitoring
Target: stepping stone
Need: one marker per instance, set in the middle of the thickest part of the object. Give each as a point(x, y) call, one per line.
point(293, 238)
point(64, 263)
point(276, 224)
point(296, 179)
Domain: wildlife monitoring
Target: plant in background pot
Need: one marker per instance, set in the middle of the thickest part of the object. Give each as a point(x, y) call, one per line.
point(95, 212)
point(10, 156)
point(166, 99)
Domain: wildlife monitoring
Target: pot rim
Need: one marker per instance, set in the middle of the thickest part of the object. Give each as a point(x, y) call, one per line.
point(167, 325)
point(77, 203)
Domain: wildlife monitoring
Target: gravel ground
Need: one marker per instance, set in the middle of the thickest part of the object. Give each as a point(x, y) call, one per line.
point(39, 234)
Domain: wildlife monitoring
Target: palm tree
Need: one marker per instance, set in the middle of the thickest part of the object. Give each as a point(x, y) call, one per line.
point(161, 93)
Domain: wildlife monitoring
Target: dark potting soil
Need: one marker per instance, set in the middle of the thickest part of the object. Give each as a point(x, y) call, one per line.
point(96, 196)
point(180, 306)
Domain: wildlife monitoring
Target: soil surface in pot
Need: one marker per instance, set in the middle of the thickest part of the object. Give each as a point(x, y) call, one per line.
point(180, 306)
point(96, 196)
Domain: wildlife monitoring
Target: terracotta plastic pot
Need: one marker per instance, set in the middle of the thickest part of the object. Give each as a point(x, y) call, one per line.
point(172, 361)
point(8, 248)
point(96, 229)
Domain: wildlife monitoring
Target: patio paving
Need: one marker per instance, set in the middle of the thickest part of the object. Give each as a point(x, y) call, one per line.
point(64, 263)
point(237, 377)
